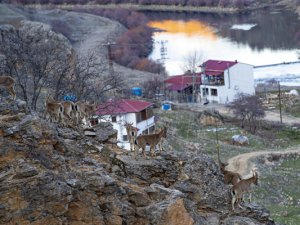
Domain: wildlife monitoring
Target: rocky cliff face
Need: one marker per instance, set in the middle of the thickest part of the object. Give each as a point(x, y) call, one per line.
point(54, 175)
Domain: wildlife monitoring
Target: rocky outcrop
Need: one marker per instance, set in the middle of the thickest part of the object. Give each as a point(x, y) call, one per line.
point(55, 175)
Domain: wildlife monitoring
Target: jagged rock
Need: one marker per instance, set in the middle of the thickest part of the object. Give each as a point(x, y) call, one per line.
point(170, 211)
point(205, 185)
point(24, 170)
point(8, 107)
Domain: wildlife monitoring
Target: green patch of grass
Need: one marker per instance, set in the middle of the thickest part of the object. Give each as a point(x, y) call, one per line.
point(290, 136)
point(279, 191)
point(285, 214)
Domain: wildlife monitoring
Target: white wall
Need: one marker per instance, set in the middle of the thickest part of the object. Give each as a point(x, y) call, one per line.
point(237, 79)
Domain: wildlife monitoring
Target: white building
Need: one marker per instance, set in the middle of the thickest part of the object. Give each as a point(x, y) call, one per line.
point(118, 112)
point(221, 81)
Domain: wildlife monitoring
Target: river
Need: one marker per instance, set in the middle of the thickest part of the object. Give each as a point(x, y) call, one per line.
point(256, 38)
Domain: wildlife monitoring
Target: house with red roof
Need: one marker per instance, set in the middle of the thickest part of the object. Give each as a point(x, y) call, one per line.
point(121, 111)
point(221, 81)
point(180, 87)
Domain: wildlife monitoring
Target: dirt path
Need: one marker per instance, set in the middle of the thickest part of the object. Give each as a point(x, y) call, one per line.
point(241, 163)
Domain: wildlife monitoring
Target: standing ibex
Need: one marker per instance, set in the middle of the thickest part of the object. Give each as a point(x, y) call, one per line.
point(54, 110)
point(149, 139)
point(85, 110)
point(164, 136)
point(242, 187)
point(131, 134)
point(9, 83)
point(229, 176)
point(69, 111)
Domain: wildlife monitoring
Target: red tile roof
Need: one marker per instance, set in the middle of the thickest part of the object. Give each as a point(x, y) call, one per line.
point(180, 82)
point(216, 67)
point(121, 106)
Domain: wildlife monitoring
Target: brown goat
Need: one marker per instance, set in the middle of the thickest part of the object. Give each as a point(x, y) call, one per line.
point(229, 176)
point(131, 134)
point(69, 110)
point(242, 187)
point(54, 110)
point(9, 83)
point(149, 139)
point(84, 110)
point(164, 136)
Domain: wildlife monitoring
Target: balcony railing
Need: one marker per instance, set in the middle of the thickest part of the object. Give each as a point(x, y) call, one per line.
point(213, 83)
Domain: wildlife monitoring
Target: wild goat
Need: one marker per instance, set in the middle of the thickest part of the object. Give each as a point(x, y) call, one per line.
point(229, 176)
point(149, 139)
point(242, 187)
point(164, 135)
point(9, 83)
point(131, 134)
point(85, 110)
point(69, 110)
point(54, 110)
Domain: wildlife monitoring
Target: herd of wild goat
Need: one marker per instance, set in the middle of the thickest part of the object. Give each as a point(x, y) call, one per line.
point(69, 113)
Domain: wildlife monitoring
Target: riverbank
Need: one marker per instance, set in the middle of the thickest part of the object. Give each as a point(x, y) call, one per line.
point(162, 8)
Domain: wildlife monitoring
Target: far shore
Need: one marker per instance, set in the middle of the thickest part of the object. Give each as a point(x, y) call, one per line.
point(163, 8)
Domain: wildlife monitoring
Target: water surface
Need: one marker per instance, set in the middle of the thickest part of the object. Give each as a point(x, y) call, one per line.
point(257, 38)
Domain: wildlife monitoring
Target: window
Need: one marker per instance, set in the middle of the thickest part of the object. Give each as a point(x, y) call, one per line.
point(151, 130)
point(125, 138)
point(138, 117)
point(144, 114)
point(113, 119)
point(214, 92)
point(94, 121)
point(149, 112)
point(205, 91)
point(145, 131)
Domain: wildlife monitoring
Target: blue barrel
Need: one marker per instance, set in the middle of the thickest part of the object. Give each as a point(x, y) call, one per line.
point(166, 106)
point(137, 91)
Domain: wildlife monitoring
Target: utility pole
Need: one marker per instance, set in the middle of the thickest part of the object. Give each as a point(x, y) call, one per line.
point(110, 59)
point(217, 140)
point(194, 86)
point(279, 96)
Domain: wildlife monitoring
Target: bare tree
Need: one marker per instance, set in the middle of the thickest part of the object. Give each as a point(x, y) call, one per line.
point(152, 87)
point(192, 61)
point(93, 78)
point(190, 66)
point(37, 57)
point(248, 108)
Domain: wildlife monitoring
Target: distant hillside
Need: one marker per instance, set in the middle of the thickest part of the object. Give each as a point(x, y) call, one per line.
point(186, 5)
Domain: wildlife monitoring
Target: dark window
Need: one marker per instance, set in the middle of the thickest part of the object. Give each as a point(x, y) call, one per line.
point(149, 112)
point(138, 117)
point(114, 119)
point(205, 91)
point(144, 114)
point(94, 121)
point(214, 92)
point(145, 131)
point(151, 130)
point(125, 138)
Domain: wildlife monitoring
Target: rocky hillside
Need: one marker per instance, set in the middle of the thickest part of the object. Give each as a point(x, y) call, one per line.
point(55, 175)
